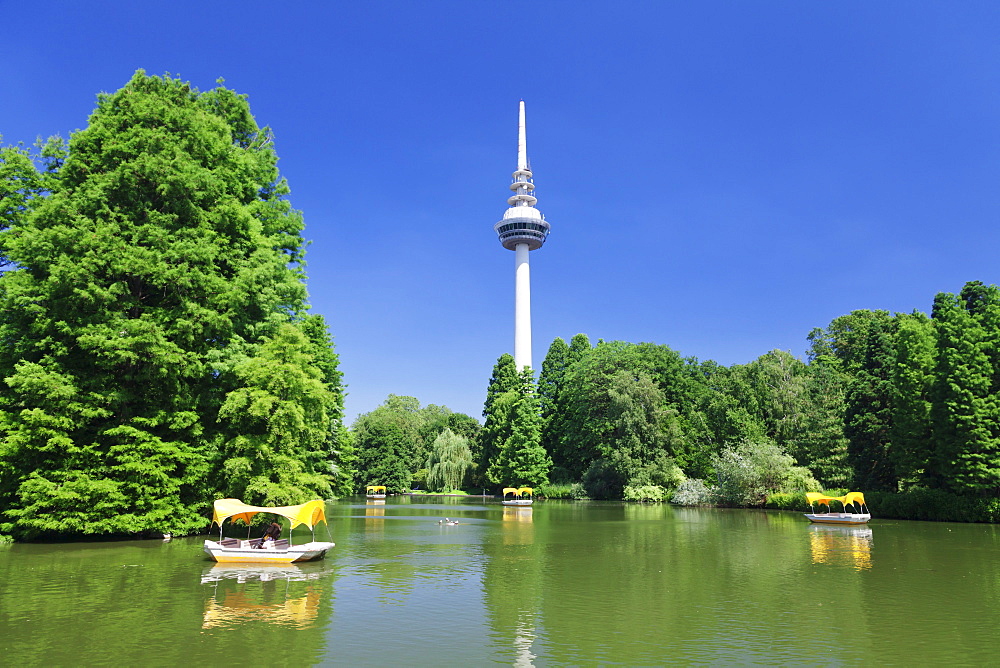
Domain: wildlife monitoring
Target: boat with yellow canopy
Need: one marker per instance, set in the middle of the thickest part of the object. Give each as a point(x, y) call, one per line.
point(263, 550)
point(517, 496)
point(856, 500)
point(375, 491)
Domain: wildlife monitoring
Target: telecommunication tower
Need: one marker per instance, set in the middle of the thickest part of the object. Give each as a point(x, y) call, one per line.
point(522, 229)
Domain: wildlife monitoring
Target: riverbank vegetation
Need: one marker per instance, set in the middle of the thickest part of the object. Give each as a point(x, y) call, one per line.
point(903, 406)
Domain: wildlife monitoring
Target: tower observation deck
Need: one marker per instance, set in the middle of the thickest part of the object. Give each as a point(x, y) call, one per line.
point(522, 223)
point(522, 229)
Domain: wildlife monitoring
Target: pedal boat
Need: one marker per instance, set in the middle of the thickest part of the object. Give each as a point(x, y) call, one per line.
point(854, 499)
point(375, 491)
point(514, 496)
point(234, 550)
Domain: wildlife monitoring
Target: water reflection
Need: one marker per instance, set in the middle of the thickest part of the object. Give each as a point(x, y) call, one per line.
point(524, 638)
point(517, 514)
point(375, 509)
point(285, 595)
point(843, 546)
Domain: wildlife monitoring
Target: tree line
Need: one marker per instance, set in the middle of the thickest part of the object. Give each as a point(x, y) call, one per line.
point(884, 402)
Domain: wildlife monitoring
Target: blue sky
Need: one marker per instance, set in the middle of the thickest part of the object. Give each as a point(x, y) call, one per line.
point(721, 177)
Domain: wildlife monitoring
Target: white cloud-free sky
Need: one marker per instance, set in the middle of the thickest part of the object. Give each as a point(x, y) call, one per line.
point(721, 177)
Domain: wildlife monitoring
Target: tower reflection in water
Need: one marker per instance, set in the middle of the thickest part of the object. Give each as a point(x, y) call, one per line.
point(287, 595)
point(842, 546)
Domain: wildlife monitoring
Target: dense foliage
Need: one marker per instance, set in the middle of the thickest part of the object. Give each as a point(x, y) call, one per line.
point(396, 445)
point(885, 403)
point(450, 462)
point(156, 348)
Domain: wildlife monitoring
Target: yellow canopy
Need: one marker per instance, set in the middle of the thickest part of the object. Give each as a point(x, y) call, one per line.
point(854, 497)
point(374, 488)
point(525, 490)
point(309, 513)
point(849, 498)
point(511, 490)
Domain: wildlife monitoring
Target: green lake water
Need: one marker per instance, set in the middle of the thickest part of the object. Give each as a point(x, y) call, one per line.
point(559, 584)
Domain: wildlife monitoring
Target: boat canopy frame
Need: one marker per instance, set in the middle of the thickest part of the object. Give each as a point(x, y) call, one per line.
point(856, 499)
point(309, 513)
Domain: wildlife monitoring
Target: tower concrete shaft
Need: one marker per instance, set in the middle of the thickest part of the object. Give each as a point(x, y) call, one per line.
point(522, 307)
point(522, 229)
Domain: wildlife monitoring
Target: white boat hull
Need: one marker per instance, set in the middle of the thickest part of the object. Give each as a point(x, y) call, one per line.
point(519, 502)
point(839, 518)
point(245, 554)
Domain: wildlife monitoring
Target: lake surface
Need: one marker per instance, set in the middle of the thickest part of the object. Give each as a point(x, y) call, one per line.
point(559, 584)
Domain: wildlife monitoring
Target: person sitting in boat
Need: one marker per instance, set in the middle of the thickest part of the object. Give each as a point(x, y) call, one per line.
point(271, 534)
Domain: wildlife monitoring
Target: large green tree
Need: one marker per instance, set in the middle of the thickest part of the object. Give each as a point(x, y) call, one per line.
point(591, 420)
point(636, 449)
point(520, 458)
point(868, 417)
point(912, 389)
point(860, 348)
point(966, 397)
point(496, 426)
point(278, 419)
point(391, 444)
point(153, 271)
point(388, 443)
point(822, 444)
point(553, 399)
point(449, 463)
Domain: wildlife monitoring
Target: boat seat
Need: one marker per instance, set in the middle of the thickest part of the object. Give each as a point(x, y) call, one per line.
point(230, 542)
point(281, 544)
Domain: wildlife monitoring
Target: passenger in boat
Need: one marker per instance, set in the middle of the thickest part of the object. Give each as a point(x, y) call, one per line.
point(271, 534)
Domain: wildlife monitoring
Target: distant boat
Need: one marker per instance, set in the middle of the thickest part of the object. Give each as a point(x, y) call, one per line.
point(518, 496)
point(259, 550)
point(854, 499)
point(375, 492)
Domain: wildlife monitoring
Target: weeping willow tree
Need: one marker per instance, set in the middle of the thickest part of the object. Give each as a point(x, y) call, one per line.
point(449, 463)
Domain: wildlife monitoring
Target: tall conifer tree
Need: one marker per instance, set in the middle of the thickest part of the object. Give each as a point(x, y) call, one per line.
point(151, 285)
point(520, 458)
point(496, 427)
point(912, 386)
point(550, 382)
point(868, 420)
point(966, 414)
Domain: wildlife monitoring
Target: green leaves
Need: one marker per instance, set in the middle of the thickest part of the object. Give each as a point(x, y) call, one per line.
point(393, 441)
point(449, 463)
point(278, 417)
point(157, 348)
point(966, 410)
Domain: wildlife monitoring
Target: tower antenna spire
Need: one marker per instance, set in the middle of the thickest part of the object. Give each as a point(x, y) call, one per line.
point(522, 142)
point(522, 229)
